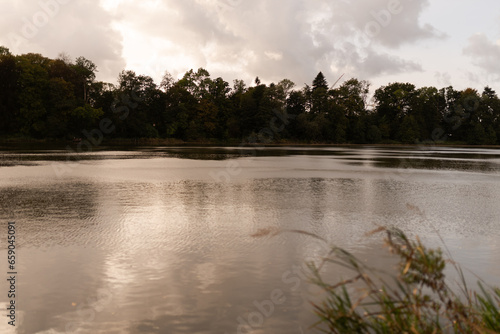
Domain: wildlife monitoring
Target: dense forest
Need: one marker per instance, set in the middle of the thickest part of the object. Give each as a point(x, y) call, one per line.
point(61, 99)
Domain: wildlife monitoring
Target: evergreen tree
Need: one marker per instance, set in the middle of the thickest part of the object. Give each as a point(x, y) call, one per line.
point(320, 82)
point(319, 94)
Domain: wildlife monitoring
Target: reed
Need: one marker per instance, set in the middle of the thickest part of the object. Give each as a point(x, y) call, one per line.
point(417, 299)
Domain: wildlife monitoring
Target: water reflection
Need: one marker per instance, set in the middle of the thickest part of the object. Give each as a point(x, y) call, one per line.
point(153, 244)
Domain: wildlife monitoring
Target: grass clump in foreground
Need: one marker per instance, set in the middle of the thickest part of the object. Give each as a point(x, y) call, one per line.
point(416, 300)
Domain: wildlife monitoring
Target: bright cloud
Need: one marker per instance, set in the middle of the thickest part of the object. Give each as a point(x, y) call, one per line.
point(273, 39)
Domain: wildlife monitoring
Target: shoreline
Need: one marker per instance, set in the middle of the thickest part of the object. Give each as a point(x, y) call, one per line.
point(170, 142)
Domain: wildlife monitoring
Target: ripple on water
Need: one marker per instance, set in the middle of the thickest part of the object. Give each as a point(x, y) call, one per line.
point(162, 236)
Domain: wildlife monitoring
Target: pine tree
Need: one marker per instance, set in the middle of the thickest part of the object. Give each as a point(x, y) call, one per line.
point(320, 82)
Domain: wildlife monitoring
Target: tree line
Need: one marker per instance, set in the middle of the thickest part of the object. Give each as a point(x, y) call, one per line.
point(60, 98)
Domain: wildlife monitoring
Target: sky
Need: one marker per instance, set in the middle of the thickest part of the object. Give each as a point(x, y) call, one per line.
point(427, 42)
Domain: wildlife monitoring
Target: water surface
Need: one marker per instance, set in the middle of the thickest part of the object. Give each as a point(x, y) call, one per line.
point(160, 240)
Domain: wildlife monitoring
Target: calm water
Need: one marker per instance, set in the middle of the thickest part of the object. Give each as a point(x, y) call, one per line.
point(160, 240)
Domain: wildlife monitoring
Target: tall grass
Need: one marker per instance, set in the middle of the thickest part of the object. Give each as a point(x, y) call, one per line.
point(417, 299)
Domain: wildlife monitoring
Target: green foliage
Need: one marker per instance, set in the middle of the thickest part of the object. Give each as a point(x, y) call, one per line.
point(373, 134)
point(83, 118)
point(84, 70)
point(9, 105)
point(87, 113)
point(408, 132)
point(58, 98)
point(417, 300)
point(4, 51)
point(33, 83)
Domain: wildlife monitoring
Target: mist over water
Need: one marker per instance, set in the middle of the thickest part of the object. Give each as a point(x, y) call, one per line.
point(161, 240)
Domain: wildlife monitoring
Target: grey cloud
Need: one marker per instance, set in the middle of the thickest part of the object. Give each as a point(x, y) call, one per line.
point(310, 35)
point(270, 39)
point(78, 28)
point(391, 23)
point(443, 79)
point(380, 64)
point(319, 35)
point(485, 55)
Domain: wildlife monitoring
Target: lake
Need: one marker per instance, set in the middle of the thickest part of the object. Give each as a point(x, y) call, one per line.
point(181, 239)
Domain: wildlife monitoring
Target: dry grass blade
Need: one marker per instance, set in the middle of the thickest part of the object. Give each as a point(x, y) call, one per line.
point(264, 232)
point(422, 302)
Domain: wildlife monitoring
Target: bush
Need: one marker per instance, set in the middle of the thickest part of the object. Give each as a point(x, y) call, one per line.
point(417, 300)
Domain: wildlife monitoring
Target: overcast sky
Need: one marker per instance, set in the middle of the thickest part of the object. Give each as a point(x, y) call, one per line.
point(427, 42)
